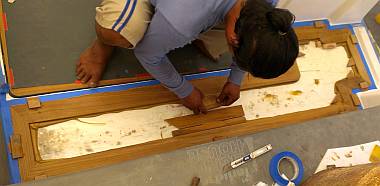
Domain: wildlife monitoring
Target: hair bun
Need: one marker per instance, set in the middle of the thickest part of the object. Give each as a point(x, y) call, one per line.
point(280, 19)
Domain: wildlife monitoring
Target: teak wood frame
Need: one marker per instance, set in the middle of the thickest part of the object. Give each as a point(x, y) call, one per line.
point(25, 120)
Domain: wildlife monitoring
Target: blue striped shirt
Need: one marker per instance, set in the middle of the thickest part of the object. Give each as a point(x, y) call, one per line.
point(175, 24)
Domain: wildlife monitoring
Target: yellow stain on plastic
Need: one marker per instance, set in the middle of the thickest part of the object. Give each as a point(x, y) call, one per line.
point(375, 155)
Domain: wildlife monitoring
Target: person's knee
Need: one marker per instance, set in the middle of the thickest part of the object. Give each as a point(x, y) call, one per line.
point(111, 37)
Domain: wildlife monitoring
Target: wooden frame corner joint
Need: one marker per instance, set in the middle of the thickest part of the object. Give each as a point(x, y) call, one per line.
point(351, 62)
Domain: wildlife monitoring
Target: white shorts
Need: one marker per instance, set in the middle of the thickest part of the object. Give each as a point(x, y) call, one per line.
point(128, 17)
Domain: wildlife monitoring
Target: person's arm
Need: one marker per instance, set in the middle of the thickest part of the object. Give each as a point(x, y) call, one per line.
point(230, 21)
point(231, 90)
point(236, 74)
point(159, 39)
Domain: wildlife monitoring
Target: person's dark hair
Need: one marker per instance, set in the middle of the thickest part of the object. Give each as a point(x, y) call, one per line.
point(268, 45)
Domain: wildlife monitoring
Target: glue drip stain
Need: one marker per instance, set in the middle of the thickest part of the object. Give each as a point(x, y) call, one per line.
point(84, 136)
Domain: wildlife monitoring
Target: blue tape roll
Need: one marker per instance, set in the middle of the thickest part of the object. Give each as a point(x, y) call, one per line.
point(274, 168)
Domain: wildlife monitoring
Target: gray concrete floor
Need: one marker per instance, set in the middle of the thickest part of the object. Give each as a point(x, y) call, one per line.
point(309, 140)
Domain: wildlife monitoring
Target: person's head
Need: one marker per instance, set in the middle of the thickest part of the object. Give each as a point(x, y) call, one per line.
point(268, 45)
point(122, 23)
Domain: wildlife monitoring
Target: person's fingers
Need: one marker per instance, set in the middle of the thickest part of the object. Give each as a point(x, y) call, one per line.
point(201, 93)
point(94, 81)
point(229, 101)
point(78, 67)
point(92, 84)
point(86, 78)
point(221, 97)
point(203, 109)
point(79, 71)
point(81, 75)
point(226, 100)
point(196, 111)
point(236, 43)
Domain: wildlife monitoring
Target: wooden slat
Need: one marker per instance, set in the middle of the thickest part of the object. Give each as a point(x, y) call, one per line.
point(16, 147)
point(334, 36)
point(292, 75)
point(208, 126)
point(355, 100)
point(210, 102)
point(215, 115)
point(329, 46)
point(358, 62)
point(33, 102)
point(308, 33)
point(31, 91)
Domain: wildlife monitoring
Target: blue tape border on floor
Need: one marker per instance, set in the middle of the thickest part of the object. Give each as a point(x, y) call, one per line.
point(6, 121)
point(6, 117)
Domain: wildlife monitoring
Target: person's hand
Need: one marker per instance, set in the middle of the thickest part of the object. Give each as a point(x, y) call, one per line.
point(232, 38)
point(194, 102)
point(229, 94)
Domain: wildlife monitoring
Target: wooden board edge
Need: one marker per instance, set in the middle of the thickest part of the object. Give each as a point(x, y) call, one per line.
point(359, 64)
point(198, 119)
point(38, 90)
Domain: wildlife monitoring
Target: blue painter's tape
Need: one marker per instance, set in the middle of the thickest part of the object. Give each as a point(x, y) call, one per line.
point(208, 74)
point(274, 168)
point(8, 131)
point(4, 88)
point(6, 122)
point(303, 23)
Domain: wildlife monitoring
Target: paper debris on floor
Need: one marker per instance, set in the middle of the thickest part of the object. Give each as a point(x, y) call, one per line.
point(347, 156)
